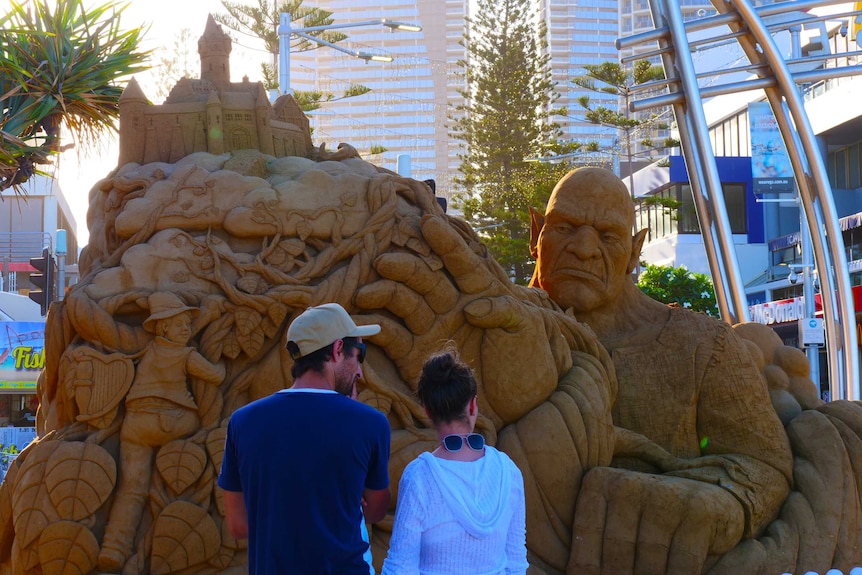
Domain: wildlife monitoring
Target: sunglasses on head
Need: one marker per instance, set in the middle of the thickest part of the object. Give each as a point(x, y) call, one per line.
point(455, 442)
point(357, 345)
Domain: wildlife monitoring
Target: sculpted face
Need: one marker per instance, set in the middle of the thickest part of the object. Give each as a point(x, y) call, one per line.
point(584, 247)
point(177, 328)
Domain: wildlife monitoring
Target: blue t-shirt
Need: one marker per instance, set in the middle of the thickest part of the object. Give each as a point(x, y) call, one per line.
point(302, 459)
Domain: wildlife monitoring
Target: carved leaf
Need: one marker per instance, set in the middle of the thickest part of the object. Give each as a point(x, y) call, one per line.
point(218, 499)
point(269, 329)
point(215, 446)
point(230, 346)
point(67, 548)
point(251, 343)
point(79, 477)
point(213, 336)
point(181, 463)
point(277, 311)
point(209, 400)
point(183, 535)
point(303, 230)
point(222, 558)
point(247, 320)
point(32, 511)
point(252, 284)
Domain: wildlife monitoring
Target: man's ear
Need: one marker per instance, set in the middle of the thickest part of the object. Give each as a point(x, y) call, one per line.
point(337, 348)
point(637, 246)
point(537, 221)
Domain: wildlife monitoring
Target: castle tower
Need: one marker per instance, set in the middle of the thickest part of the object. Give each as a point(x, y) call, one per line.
point(133, 104)
point(215, 131)
point(263, 116)
point(214, 48)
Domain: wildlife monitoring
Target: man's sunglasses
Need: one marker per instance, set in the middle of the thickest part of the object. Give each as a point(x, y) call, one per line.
point(455, 442)
point(357, 345)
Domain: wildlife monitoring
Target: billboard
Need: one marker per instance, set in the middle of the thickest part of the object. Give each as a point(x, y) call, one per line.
point(22, 355)
point(770, 165)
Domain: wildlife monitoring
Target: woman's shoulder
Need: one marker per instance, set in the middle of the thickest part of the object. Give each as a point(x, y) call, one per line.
point(504, 460)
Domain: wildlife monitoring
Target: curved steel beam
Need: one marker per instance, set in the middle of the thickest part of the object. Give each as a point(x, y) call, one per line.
point(816, 200)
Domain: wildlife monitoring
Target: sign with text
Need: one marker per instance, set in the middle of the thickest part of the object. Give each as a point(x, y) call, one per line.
point(811, 332)
point(22, 354)
point(771, 171)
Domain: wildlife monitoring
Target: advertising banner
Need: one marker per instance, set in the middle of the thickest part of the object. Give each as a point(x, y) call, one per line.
point(22, 355)
point(771, 171)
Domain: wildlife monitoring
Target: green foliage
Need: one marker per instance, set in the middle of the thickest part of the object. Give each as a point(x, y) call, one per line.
point(505, 122)
point(613, 78)
point(672, 285)
point(261, 21)
point(59, 64)
point(377, 149)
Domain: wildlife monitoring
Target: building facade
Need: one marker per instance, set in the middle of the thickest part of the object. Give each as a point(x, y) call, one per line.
point(407, 110)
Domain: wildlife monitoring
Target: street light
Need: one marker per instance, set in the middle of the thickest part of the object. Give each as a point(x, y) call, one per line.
point(285, 31)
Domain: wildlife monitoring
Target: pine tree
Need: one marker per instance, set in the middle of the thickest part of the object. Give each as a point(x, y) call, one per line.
point(261, 21)
point(504, 122)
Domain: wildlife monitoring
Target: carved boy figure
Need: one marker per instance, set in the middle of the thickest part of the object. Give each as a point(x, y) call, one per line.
point(159, 409)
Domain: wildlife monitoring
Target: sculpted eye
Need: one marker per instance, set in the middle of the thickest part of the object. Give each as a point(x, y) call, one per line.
point(562, 228)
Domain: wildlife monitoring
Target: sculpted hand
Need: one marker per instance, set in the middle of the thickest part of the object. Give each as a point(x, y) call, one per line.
point(517, 348)
point(668, 524)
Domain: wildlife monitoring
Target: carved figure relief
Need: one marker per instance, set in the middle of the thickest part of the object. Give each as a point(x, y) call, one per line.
point(619, 411)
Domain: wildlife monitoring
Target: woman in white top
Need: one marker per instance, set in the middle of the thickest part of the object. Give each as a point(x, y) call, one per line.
point(461, 507)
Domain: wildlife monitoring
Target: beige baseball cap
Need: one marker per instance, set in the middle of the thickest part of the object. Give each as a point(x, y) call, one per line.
point(319, 326)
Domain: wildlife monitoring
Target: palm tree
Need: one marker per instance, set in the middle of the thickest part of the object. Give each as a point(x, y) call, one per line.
point(59, 65)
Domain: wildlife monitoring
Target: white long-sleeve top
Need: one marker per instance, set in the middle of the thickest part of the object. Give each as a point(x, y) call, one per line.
point(459, 518)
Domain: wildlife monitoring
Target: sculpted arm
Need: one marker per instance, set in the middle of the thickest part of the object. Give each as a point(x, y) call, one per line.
point(738, 429)
point(200, 367)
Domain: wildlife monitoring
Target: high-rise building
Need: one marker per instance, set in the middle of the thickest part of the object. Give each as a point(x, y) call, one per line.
point(407, 109)
point(581, 32)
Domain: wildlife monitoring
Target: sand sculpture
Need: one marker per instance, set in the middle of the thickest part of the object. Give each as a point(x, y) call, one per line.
point(195, 268)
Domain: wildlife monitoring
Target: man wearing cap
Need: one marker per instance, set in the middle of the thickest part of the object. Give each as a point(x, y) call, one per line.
point(301, 465)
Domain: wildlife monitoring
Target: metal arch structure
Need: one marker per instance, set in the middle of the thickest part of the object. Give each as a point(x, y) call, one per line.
point(774, 77)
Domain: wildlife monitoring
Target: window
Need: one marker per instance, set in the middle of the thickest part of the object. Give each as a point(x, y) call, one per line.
point(663, 221)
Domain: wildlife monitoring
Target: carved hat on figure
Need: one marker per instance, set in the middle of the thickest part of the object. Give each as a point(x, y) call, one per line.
point(319, 326)
point(164, 305)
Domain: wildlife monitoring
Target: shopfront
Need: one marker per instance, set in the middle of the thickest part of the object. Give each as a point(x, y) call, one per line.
point(783, 317)
point(21, 360)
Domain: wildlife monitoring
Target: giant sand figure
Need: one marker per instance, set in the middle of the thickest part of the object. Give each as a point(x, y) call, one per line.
point(245, 240)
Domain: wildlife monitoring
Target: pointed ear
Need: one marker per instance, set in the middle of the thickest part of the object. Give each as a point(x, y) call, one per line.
point(637, 246)
point(537, 221)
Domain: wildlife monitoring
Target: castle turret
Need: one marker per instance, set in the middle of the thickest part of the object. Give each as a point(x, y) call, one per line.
point(214, 48)
point(215, 130)
point(263, 115)
point(133, 104)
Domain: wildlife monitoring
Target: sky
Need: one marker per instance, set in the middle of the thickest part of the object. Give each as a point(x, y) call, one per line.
point(79, 169)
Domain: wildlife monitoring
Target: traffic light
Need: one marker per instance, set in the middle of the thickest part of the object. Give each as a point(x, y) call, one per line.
point(44, 280)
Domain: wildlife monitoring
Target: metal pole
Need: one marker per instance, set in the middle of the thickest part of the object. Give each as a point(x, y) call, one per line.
point(812, 352)
point(702, 172)
point(818, 207)
point(61, 264)
point(284, 32)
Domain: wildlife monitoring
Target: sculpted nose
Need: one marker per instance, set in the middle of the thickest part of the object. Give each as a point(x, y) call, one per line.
point(584, 243)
